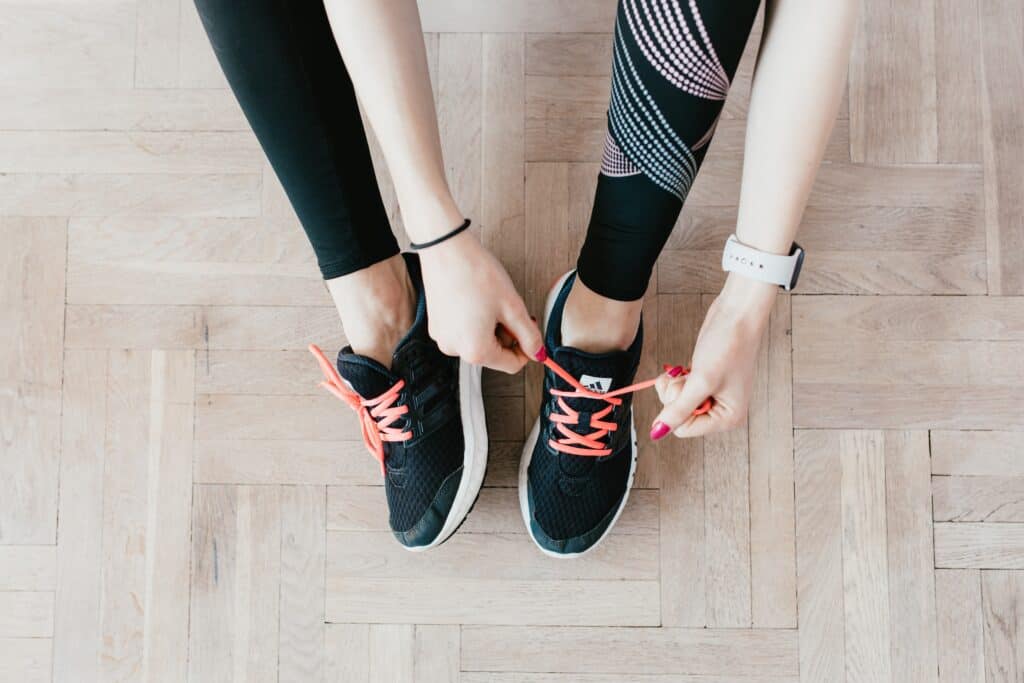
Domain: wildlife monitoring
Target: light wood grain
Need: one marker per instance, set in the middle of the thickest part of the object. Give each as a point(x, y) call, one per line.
point(977, 453)
point(908, 523)
point(960, 640)
point(819, 555)
point(25, 660)
point(26, 614)
point(978, 499)
point(770, 433)
point(725, 652)
point(28, 567)
point(865, 562)
point(301, 632)
point(80, 564)
point(892, 84)
point(1002, 58)
point(682, 515)
point(32, 263)
point(1002, 594)
point(971, 545)
point(589, 603)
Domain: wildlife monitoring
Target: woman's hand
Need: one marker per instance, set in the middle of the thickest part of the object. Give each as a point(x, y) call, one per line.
point(469, 295)
point(723, 363)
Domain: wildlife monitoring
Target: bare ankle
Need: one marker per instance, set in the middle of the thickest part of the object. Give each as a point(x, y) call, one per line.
point(377, 306)
point(597, 324)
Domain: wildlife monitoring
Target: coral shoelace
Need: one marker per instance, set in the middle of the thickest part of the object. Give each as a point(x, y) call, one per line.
point(376, 415)
point(592, 444)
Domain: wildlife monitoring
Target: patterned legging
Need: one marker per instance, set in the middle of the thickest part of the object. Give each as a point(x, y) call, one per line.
point(673, 62)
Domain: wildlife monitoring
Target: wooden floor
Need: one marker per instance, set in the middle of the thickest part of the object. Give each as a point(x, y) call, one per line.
point(178, 500)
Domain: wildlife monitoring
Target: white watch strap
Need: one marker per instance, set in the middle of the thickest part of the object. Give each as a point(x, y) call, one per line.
point(762, 266)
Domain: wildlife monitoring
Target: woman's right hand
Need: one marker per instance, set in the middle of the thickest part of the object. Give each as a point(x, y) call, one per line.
point(469, 295)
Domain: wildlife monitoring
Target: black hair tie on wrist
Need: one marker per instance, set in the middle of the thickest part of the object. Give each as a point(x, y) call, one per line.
point(442, 238)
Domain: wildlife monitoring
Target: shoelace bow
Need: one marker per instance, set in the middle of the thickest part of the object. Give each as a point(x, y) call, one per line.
point(376, 415)
point(592, 444)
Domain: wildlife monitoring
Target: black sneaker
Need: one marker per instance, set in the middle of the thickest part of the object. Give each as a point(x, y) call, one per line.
point(424, 420)
point(579, 460)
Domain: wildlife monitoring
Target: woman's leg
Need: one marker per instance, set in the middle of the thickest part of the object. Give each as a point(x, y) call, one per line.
point(284, 67)
point(673, 63)
point(470, 296)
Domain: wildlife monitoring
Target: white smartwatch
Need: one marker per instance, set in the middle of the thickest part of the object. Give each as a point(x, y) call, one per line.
point(759, 265)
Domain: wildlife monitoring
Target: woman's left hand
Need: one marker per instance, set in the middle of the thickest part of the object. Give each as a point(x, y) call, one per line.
point(723, 364)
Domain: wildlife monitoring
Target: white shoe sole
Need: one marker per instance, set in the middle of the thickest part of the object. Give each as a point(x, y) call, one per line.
point(474, 457)
point(531, 442)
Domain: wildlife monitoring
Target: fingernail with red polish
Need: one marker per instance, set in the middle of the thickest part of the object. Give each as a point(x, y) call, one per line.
point(541, 355)
point(658, 430)
point(676, 371)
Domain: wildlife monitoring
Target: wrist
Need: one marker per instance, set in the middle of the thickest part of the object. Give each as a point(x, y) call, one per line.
point(453, 248)
point(747, 299)
point(427, 218)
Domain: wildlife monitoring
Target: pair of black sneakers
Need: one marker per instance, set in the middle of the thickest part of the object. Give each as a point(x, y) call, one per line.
point(424, 420)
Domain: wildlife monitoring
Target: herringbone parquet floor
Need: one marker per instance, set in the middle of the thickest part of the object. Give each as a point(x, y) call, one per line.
point(178, 500)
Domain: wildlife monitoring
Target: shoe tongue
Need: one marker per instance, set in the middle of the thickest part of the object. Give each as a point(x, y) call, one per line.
point(368, 378)
point(597, 372)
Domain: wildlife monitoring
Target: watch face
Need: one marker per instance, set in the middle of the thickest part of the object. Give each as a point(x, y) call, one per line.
point(799, 264)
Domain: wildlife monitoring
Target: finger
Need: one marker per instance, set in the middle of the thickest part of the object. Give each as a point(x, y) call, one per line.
point(525, 330)
point(718, 419)
point(669, 384)
point(693, 394)
point(504, 360)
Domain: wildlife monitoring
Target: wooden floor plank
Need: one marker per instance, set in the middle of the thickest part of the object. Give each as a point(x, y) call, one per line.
point(437, 655)
point(770, 430)
point(1002, 599)
point(28, 568)
point(348, 652)
point(960, 639)
point(31, 313)
point(76, 640)
point(978, 499)
point(970, 545)
point(682, 509)
point(958, 80)
point(727, 529)
point(301, 633)
point(168, 514)
point(440, 601)
point(25, 660)
point(865, 562)
point(1002, 57)
point(819, 555)
point(908, 521)
point(709, 652)
point(236, 545)
point(977, 453)
point(892, 84)
point(26, 614)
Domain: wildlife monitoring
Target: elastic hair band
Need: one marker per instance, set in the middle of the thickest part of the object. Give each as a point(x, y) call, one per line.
point(442, 238)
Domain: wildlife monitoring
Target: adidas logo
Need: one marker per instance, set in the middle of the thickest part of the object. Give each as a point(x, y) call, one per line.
point(599, 384)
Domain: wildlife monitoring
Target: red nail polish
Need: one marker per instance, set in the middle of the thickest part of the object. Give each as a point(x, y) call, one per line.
point(676, 371)
point(658, 430)
point(541, 355)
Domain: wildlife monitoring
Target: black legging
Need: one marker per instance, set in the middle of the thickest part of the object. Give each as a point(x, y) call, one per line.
point(673, 63)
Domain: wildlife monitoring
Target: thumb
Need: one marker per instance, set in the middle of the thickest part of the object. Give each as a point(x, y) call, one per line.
point(525, 330)
point(694, 393)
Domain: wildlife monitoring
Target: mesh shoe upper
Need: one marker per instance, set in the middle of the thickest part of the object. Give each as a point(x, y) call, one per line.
point(422, 474)
point(573, 498)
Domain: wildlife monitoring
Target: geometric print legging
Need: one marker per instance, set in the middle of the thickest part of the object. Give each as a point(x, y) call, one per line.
point(672, 64)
